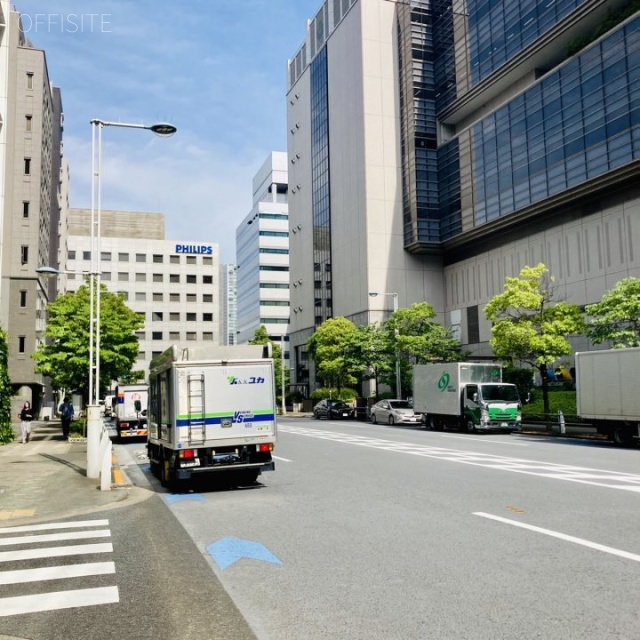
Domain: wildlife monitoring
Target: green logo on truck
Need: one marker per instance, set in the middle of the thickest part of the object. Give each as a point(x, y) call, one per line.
point(443, 383)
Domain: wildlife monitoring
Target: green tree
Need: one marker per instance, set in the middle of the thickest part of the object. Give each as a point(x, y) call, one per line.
point(64, 358)
point(531, 325)
point(617, 316)
point(6, 391)
point(262, 337)
point(367, 350)
point(327, 347)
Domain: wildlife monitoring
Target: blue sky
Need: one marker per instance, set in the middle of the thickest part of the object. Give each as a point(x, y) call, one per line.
point(214, 68)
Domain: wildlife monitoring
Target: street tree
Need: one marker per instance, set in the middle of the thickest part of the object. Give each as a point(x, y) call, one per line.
point(531, 325)
point(617, 316)
point(64, 357)
point(261, 336)
point(6, 430)
point(327, 347)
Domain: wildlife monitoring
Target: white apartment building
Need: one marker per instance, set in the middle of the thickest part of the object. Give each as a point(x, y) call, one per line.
point(262, 255)
point(173, 284)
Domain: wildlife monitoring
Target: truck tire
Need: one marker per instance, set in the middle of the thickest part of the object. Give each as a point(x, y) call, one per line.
point(622, 436)
point(431, 423)
point(248, 478)
point(471, 426)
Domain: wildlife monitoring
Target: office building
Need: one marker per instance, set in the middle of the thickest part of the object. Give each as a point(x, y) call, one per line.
point(30, 187)
point(173, 284)
point(262, 255)
point(228, 304)
point(438, 147)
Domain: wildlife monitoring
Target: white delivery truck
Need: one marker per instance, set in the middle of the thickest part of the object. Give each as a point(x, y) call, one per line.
point(607, 392)
point(465, 395)
point(131, 410)
point(212, 410)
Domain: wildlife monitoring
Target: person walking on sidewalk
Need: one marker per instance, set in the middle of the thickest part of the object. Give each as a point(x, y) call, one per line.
point(26, 416)
point(66, 413)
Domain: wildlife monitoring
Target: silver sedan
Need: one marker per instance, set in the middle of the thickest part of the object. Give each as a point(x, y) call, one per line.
point(394, 412)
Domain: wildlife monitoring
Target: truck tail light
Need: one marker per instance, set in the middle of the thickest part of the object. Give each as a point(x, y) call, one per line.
point(264, 448)
point(187, 453)
point(124, 424)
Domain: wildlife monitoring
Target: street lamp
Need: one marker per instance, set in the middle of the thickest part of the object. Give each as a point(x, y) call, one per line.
point(162, 129)
point(284, 402)
point(373, 294)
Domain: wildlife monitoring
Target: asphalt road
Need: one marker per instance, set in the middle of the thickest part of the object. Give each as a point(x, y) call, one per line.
point(374, 532)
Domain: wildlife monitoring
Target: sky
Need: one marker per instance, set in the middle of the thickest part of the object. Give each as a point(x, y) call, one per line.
point(216, 69)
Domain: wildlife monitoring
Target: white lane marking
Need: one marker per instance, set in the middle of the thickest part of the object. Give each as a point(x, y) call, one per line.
point(50, 552)
point(281, 459)
point(57, 573)
point(55, 525)
point(563, 536)
point(56, 537)
point(58, 600)
point(598, 477)
point(483, 439)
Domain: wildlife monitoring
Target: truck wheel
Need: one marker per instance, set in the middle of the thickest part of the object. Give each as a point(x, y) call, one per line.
point(166, 475)
point(622, 436)
point(247, 478)
point(431, 423)
point(471, 426)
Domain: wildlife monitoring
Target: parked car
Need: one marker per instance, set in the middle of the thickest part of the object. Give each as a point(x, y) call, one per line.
point(333, 409)
point(394, 412)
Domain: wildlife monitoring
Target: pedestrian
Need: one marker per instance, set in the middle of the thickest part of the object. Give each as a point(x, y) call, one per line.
point(66, 413)
point(26, 416)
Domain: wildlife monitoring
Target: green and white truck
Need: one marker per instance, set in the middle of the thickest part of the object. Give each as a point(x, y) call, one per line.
point(212, 410)
point(465, 395)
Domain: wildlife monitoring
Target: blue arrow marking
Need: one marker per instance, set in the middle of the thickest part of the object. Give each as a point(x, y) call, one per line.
point(180, 497)
point(226, 551)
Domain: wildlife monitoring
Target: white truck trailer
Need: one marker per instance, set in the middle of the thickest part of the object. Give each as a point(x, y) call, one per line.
point(607, 392)
point(465, 395)
point(130, 410)
point(212, 410)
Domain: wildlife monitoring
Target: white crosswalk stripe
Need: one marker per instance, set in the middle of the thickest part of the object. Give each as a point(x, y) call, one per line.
point(19, 577)
point(583, 475)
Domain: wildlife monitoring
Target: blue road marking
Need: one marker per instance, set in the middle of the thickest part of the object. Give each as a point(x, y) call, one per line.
point(181, 497)
point(226, 551)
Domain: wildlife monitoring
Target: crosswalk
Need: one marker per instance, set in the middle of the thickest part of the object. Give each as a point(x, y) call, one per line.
point(37, 560)
point(570, 473)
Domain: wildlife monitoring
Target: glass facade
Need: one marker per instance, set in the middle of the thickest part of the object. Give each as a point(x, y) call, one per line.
point(321, 205)
point(579, 122)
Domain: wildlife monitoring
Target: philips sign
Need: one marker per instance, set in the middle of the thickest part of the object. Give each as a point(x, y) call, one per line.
point(194, 248)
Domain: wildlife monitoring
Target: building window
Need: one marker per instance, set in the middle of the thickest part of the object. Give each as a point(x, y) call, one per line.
point(174, 335)
point(157, 316)
point(158, 277)
point(28, 122)
point(207, 261)
point(141, 277)
point(123, 257)
point(207, 317)
point(207, 279)
point(141, 257)
point(141, 335)
point(473, 326)
point(191, 317)
point(123, 276)
point(141, 296)
point(22, 344)
point(207, 297)
point(124, 295)
point(207, 335)
point(71, 255)
point(191, 259)
point(27, 166)
point(191, 335)
point(105, 255)
point(174, 259)
point(25, 209)
point(174, 297)
point(71, 276)
point(156, 335)
point(158, 259)
point(191, 280)
point(174, 316)
point(29, 80)
point(106, 275)
point(158, 297)
point(142, 355)
point(24, 254)
point(86, 255)
point(174, 277)
point(191, 297)
point(23, 299)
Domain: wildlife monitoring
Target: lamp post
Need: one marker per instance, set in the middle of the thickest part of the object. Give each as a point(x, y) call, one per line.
point(373, 294)
point(284, 402)
point(94, 421)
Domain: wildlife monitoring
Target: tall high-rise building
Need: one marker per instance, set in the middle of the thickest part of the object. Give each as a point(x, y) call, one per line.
point(262, 255)
point(30, 179)
point(438, 147)
point(228, 304)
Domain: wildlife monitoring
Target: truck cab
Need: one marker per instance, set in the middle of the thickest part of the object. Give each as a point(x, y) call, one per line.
point(489, 406)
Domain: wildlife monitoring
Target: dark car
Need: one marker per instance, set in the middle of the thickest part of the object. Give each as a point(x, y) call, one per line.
point(333, 409)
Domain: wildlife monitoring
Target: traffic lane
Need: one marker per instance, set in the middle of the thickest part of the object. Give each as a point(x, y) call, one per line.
point(381, 544)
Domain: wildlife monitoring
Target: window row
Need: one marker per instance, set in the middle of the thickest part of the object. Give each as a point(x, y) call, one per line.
point(172, 335)
point(125, 276)
point(176, 316)
point(142, 296)
point(156, 258)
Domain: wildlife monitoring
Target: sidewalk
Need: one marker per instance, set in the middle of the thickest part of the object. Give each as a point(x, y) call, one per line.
point(47, 478)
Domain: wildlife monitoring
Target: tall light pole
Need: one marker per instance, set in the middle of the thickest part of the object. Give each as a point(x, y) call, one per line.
point(394, 296)
point(94, 421)
point(284, 401)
